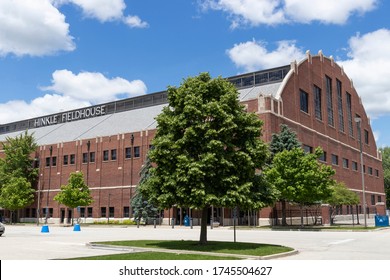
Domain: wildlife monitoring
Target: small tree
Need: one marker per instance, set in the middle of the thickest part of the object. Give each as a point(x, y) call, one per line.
point(16, 194)
point(143, 209)
point(300, 178)
point(341, 195)
point(386, 173)
point(75, 193)
point(286, 139)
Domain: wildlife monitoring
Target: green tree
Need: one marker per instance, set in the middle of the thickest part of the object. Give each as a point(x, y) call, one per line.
point(341, 195)
point(386, 173)
point(143, 209)
point(75, 193)
point(300, 178)
point(16, 194)
point(207, 150)
point(286, 139)
point(17, 170)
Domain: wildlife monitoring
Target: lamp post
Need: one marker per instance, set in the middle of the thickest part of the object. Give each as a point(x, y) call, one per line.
point(88, 155)
point(131, 174)
point(359, 122)
point(48, 189)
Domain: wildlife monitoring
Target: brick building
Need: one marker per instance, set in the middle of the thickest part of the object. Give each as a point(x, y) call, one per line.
point(109, 142)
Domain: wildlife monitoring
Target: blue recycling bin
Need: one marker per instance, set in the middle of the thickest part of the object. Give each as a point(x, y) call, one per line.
point(186, 221)
point(381, 221)
point(76, 227)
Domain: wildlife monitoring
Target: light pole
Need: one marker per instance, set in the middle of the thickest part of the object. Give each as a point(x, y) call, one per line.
point(88, 155)
point(48, 189)
point(359, 123)
point(131, 174)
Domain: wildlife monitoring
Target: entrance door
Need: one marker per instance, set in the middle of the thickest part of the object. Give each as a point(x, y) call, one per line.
point(69, 216)
point(62, 220)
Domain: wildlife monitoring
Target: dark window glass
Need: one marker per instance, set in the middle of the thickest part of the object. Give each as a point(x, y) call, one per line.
point(366, 136)
point(323, 157)
point(92, 157)
point(340, 105)
point(128, 152)
point(72, 159)
point(105, 155)
point(48, 161)
point(111, 212)
point(307, 149)
point(137, 152)
point(126, 212)
point(349, 114)
point(345, 163)
point(370, 170)
point(66, 160)
point(376, 172)
point(113, 154)
point(318, 102)
point(329, 99)
point(335, 159)
point(103, 212)
point(304, 101)
point(54, 161)
point(89, 212)
point(85, 157)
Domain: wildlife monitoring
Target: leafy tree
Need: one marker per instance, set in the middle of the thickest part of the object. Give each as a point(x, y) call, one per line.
point(286, 139)
point(341, 195)
point(143, 209)
point(17, 172)
point(300, 178)
point(386, 173)
point(16, 194)
point(207, 150)
point(75, 193)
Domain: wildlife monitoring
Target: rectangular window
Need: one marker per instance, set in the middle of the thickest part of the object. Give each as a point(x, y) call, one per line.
point(82, 212)
point(85, 157)
point(307, 149)
point(329, 99)
point(113, 154)
point(376, 172)
point(66, 160)
point(137, 152)
point(354, 166)
point(103, 212)
point(304, 101)
point(47, 161)
point(366, 136)
point(335, 159)
point(126, 212)
point(105, 155)
point(89, 210)
point(323, 157)
point(340, 105)
point(364, 168)
point(349, 114)
point(128, 152)
point(92, 157)
point(379, 198)
point(373, 199)
point(370, 170)
point(111, 212)
point(72, 159)
point(345, 163)
point(54, 161)
point(317, 103)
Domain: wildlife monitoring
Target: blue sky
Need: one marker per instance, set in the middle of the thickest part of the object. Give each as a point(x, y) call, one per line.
point(63, 54)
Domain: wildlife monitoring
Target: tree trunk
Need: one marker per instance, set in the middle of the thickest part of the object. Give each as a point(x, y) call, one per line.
point(284, 219)
point(203, 226)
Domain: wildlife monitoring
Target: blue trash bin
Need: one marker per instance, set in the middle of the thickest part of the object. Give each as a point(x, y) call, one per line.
point(186, 221)
point(381, 221)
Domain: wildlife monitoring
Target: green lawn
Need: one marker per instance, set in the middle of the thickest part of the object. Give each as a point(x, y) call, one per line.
point(239, 248)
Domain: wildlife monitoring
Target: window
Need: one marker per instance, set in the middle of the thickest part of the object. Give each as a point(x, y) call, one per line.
point(307, 149)
point(370, 170)
point(54, 161)
point(329, 99)
point(128, 152)
point(126, 211)
point(49, 214)
point(103, 212)
point(92, 157)
point(345, 163)
point(317, 103)
point(304, 101)
point(376, 172)
point(323, 157)
point(72, 159)
point(379, 198)
point(111, 212)
point(373, 199)
point(66, 160)
point(137, 152)
point(354, 166)
point(47, 161)
point(113, 154)
point(335, 159)
point(89, 212)
point(82, 212)
point(349, 114)
point(85, 157)
point(366, 136)
point(105, 155)
point(340, 105)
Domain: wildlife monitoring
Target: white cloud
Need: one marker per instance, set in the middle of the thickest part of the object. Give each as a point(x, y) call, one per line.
point(272, 12)
point(94, 87)
point(105, 11)
point(71, 91)
point(33, 28)
point(252, 55)
point(368, 65)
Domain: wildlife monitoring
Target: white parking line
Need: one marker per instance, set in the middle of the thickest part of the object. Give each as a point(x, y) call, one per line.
point(340, 241)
